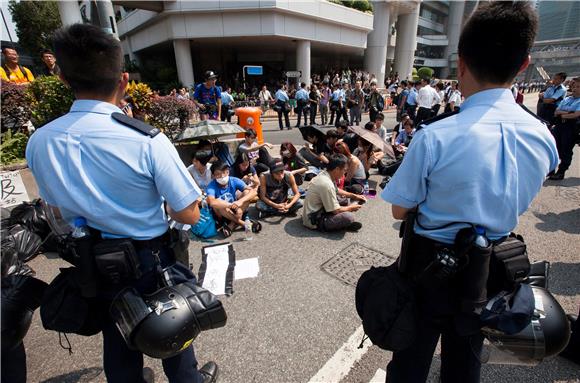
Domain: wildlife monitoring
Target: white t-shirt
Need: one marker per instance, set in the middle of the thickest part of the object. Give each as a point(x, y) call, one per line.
point(202, 180)
point(455, 97)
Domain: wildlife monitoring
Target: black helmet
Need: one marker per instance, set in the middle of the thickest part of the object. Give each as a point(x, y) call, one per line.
point(547, 334)
point(209, 75)
point(163, 324)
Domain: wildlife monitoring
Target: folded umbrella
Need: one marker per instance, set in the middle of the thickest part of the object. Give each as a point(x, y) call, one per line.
point(209, 129)
point(374, 139)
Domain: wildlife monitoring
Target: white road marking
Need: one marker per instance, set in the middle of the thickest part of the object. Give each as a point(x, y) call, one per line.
point(380, 376)
point(337, 367)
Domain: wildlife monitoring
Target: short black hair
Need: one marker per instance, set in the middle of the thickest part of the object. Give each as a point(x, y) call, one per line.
point(202, 156)
point(46, 52)
point(370, 125)
point(380, 116)
point(336, 161)
point(497, 39)
point(250, 133)
point(404, 83)
point(219, 166)
point(302, 84)
point(343, 124)
point(8, 46)
point(332, 133)
point(562, 75)
point(90, 60)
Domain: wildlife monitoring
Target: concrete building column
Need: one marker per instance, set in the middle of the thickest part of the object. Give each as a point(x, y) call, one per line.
point(454, 24)
point(303, 60)
point(70, 12)
point(406, 43)
point(106, 17)
point(183, 61)
point(377, 42)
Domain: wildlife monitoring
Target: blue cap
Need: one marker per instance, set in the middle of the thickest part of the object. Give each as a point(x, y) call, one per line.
point(80, 221)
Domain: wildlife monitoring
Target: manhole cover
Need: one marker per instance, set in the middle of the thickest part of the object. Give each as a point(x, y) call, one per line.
point(353, 260)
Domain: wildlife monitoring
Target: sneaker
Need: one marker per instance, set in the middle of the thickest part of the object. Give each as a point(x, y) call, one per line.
point(355, 226)
point(209, 372)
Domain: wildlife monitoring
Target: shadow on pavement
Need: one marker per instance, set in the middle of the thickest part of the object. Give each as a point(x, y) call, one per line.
point(295, 228)
point(564, 278)
point(568, 221)
point(78, 376)
point(566, 182)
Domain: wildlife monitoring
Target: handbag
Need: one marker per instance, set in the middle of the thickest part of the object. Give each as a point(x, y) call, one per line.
point(205, 227)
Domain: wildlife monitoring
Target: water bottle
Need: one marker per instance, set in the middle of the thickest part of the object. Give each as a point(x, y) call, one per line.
point(81, 229)
point(83, 244)
point(366, 188)
point(480, 240)
point(248, 229)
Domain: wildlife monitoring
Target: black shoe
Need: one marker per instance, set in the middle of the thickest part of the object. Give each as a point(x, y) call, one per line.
point(289, 128)
point(209, 371)
point(557, 177)
point(355, 226)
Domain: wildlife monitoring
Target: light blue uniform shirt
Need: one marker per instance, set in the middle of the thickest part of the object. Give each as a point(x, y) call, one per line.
point(89, 165)
point(412, 97)
point(337, 94)
point(226, 98)
point(555, 92)
point(281, 96)
point(570, 104)
point(302, 94)
point(483, 166)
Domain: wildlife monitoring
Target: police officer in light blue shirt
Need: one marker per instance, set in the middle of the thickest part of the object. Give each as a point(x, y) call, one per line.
point(411, 103)
point(302, 104)
point(565, 131)
point(551, 98)
point(117, 173)
point(227, 104)
point(282, 107)
point(482, 166)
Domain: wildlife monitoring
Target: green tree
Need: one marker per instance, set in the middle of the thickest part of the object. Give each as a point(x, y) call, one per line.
point(35, 22)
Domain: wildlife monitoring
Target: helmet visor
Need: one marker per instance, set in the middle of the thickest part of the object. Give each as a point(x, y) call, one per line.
point(128, 310)
point(525, 348)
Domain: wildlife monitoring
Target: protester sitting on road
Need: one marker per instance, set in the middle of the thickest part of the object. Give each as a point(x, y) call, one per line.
point(296, 164)
point(355, 176)
point(368, 154)
point(274, 187)
point(399, 127)
point(315, 155)
point(347, 137)
point(331, 140)
point(259, 156)
point(381, 130)
point(245, 171)
point(200, 168)
point(404, 137)
point(322, 210)
point(221, 197)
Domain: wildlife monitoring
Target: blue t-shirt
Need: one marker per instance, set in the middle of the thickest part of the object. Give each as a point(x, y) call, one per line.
point(404, 93)
point(227, 193)
point(205, 96)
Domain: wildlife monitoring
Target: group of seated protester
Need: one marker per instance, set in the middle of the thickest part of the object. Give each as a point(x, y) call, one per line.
point(402, 134)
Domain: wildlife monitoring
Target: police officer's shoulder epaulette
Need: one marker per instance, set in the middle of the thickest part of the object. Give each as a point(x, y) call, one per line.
point(135, 124)
point(435, 119)
point(534, 115)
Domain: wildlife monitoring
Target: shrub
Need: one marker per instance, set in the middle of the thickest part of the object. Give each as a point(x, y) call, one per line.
point(13, 147)
point(171, 115)
point(425, 72)
point(141, 95)
point(49, 99)
point(16, 110)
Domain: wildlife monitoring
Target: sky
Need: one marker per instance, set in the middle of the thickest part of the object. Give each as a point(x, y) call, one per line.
point(7, 22)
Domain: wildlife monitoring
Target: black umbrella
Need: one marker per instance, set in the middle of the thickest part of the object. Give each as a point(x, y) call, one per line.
point(310, 130)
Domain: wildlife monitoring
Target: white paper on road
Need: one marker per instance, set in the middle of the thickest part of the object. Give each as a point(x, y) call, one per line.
point(13, 190)
point(247, 268)
point(217, 267)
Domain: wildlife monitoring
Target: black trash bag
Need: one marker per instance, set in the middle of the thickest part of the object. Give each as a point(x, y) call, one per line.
point(26, 243)
point(11, 264)
point(21, 295)
point(33, 216)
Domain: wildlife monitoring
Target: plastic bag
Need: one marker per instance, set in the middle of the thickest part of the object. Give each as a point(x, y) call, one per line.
point(11, 264)
point(25, 242)
point(31, 215)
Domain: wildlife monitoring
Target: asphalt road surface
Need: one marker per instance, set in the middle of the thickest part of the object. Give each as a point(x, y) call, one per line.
point(295, 322)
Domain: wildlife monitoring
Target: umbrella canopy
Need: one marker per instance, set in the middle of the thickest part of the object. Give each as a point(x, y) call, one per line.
point(374, 139)
point(209, 129)
point(310, 130)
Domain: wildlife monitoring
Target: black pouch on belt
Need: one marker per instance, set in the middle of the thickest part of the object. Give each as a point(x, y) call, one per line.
point(509, 265)
point(117, 260)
